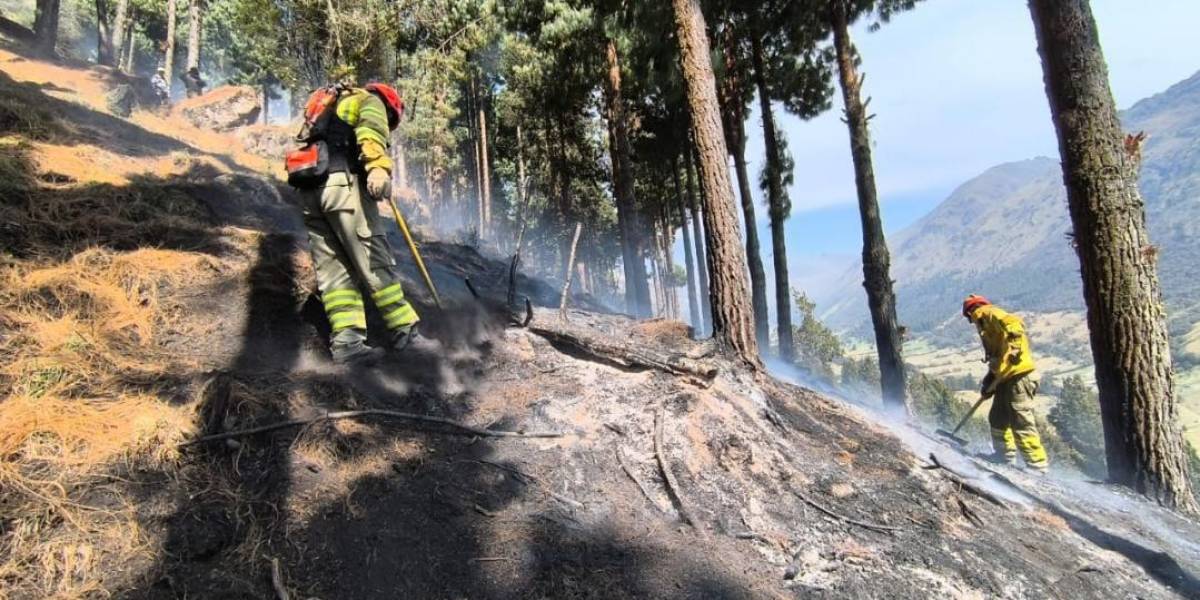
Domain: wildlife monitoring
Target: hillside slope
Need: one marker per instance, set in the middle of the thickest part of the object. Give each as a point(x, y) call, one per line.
point(1004, 233)
point(168, 297)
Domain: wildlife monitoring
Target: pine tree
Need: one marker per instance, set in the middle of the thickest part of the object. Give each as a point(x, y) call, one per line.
point(45, 25)
point(1125, 313)
point(881, 298)
point(733, 322)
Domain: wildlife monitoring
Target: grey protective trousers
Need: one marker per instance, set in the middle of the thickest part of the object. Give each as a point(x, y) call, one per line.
point(351, 255)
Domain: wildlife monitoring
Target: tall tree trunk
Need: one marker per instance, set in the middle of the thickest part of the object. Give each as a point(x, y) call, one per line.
point(104, 41)
point(735, 133)
point(45, 25)
point(705, 315)
point(477, 152)
point(1125, 312)
point(637, 288)
point(521, 187)
point(689, 264)
point(118, 32)
point(657, 301)
point(876, 261)
point(127, 65)
point(193, 43)
point(733, 321)
point(486, 199)
point(778, 208)
point(669, 260)
point(169, 59)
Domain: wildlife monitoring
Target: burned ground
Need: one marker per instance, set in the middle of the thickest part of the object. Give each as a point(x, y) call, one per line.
point(174, 301)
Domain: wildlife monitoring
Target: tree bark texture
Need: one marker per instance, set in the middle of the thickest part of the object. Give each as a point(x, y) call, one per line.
point(104, 46)
point(1125, 312)
point(689, 261)
point(637, 288)
point(119, 25)
point(45, 25)
point(568, 273)
point(127, 64)
point(705, 315)
point(777, 210)
point(485, 176)
point(193, 43)
point(732, 313)
point(875, 258)
point(735, 132)
point(169, 60)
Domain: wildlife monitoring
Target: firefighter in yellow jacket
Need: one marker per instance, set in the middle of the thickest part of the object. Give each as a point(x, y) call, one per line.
point(348, 241)
point(1011, 382)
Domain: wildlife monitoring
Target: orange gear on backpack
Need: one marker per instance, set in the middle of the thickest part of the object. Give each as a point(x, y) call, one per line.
point(395, 106)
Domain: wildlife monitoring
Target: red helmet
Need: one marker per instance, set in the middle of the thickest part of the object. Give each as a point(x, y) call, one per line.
point(395, 106)
point(973, 302)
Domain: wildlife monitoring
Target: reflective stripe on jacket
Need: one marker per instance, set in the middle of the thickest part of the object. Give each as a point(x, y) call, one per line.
point(1002, 333)
point(367, 115)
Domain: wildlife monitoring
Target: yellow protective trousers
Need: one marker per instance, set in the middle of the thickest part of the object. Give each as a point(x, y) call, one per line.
point(351, 254)
point(1013, 423)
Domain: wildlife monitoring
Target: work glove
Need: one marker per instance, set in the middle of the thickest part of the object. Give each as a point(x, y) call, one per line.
point(987, 386)
point(379, 184)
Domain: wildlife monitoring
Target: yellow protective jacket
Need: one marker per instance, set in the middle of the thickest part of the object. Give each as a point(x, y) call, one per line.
point(1003, 336)
point(367, 115)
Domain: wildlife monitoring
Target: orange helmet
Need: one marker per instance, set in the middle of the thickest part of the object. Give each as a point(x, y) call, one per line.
point(395, 106)
point(973, 302)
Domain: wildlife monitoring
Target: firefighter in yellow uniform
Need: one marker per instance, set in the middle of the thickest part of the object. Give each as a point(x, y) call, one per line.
point(1011, 382)
point(348, 241)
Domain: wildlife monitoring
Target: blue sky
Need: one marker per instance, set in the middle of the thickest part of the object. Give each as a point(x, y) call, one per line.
point(956, 86)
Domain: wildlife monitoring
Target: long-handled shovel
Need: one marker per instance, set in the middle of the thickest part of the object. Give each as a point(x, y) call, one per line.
point(952, 435)
point(412, 247)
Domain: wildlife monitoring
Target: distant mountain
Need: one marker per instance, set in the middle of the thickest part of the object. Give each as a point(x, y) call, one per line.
point(1004, 234)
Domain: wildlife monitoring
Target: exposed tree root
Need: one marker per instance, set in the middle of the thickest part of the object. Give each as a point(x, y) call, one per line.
point(641, 486)
point(373, 412)
point(961, 480)
point(844, 518)
point(668, 476)
point(281, 591)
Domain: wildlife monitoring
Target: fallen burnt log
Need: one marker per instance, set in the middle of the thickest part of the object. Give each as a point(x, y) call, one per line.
point(624, 354)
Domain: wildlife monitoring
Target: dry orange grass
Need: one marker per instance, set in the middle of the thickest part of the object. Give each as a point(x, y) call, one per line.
point(69, 331)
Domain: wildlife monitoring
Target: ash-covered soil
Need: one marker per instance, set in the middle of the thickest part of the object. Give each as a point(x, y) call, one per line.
point(677, 474)
point(776, 492)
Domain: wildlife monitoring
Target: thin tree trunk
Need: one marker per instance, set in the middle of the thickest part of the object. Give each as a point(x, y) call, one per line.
point(169, 60)
point(733, 321)
point(485, 200)
point(735, 132)
point(119, 25)
point(335, 28)
point(778, 208)
point(658, 307)
point(193, 43)
point(637, 289)
point(127, 65)
point(689, 263)
point(45, 25)
point(669, 260)
point(1125, 312)
point(570, 271)
point(400, 159)
point(876, 261)
point(521, 183)
point(104, 41)
point(705, 315)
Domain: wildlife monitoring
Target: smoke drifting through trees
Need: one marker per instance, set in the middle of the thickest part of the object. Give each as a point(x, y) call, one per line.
point(532, 116)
